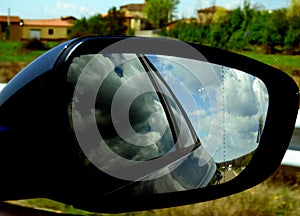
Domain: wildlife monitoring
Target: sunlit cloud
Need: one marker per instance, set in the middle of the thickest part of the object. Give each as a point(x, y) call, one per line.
point(69, 9)
point(204, 4)
point(232, 4)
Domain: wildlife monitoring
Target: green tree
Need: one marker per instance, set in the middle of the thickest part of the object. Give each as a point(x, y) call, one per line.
point(112, 24)
point(239, 40)
point(230, 31)
point(248, 14)
point(219, 35)
point(256, 27)
point(236, 20)
point(236, 31)
point(294, 9)
point(189, 32)
point(96, 25)
point(160, 12)
point(80, 28)
point(275, 30)
point(292, 38)
point(239, 23)
point(243, 28)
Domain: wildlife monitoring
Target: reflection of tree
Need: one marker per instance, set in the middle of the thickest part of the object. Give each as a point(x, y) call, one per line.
point(193, 172)
point(237, 164)
point(260, 128)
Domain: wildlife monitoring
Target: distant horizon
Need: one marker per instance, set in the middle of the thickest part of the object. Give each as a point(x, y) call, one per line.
point(57, 8)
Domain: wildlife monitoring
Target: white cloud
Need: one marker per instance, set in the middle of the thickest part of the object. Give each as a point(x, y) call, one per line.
point(245, 103)
point(232, 4)
point(69, 9)
point(239, 94)
point(204, 4)
point(235, 111)
point(246, 100)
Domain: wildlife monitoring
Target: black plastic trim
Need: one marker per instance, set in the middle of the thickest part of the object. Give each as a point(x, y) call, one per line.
point(280, 122)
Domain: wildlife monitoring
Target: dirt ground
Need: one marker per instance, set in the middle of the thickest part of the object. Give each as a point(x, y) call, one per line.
point(9, 70)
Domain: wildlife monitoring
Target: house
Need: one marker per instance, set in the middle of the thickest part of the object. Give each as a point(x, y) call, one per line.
point(206, 15)
point(47, 29)
point(135, 19)
point(10, 28)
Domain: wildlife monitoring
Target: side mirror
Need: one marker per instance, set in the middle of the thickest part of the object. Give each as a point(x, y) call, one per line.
point(124, 124)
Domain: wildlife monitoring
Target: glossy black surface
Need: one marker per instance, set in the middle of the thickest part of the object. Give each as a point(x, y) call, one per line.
point(40, 155)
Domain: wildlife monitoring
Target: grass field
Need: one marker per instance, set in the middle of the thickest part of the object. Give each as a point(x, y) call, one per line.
point(287, 63)
point(12, 51)
point(14, 57)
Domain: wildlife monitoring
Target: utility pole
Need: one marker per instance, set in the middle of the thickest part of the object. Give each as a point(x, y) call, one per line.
point(8, 25)
point(213, 3)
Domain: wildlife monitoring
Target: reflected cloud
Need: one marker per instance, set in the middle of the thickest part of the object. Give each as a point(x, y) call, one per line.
point(241, 106)
point(126, 123)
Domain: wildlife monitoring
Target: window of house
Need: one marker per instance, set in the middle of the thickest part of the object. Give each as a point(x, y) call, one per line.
point(50, 31)
point(3, 27)
point(35, 34)
point(69, 31)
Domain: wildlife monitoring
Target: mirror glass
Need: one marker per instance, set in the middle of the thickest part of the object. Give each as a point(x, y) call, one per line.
point(164, 123)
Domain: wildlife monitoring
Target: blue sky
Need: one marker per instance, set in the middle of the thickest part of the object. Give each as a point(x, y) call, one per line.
point(32, 9)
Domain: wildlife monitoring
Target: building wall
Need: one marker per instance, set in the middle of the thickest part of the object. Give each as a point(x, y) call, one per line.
point(205, 18)
point(211, 14)
point(133, 13)
point(135, 24)
point(45, 33)
point(15, 31)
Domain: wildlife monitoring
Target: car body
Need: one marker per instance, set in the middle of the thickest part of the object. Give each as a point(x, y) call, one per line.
point(292, 155)
point(53, 111)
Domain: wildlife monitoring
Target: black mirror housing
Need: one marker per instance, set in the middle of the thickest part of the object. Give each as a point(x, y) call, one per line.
point(40, 147)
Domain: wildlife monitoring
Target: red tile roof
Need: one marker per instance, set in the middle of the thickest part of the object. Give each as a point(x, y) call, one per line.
point(48, 22)
point(212, 9)
point(133, 7)
point(13, 19)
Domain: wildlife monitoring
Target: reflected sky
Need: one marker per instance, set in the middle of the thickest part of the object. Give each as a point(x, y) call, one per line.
point(123, 128)
point(123, 108)
point(125, 123)
point(119, 119)
point(242, 102)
